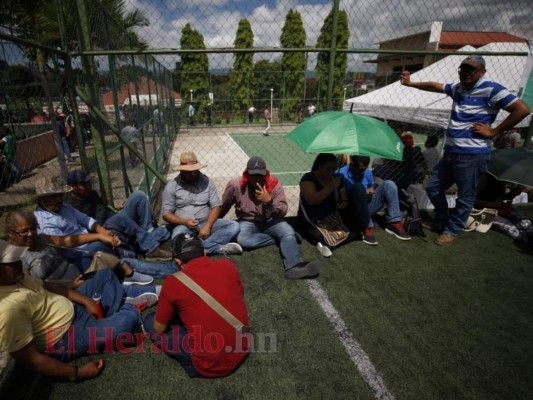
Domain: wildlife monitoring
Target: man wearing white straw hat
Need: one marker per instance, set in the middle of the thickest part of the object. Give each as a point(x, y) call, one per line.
point(192, 205)
point(54, 217)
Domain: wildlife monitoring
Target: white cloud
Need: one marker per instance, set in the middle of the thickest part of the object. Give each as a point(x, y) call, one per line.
point(369, 21)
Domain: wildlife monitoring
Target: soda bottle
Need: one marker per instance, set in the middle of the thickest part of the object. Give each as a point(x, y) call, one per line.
point(99, 310)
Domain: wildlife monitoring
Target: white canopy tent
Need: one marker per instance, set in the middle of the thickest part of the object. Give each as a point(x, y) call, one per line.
point(400, 103)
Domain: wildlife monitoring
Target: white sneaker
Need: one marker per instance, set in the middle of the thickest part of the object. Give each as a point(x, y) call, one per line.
point(138, 279)
point(230, 248)
point(148, 298)
point(324, 250)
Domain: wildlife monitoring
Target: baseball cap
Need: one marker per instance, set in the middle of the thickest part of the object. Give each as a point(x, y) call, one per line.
point(474, 61)
point(187, 247)
point(256, 166)
point(78, 176)
point(10, 253)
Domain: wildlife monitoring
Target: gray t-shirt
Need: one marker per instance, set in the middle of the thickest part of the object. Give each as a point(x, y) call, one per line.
point(187, 200)
point(48, 264)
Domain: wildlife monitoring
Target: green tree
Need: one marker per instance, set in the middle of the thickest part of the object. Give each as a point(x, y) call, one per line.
point(194, 71)
point(243, 66)
point(340, 62)
point(293, 65)
point(267, 75)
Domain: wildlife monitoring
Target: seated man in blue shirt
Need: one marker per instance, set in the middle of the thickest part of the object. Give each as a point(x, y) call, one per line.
point(136, 211)
point(191, 205)
point(59, 219)
point(384, 195)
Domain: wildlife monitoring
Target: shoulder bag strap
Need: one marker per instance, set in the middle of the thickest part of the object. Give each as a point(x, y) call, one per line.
point(210, 301)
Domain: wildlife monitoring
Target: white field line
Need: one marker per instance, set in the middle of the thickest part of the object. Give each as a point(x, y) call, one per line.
point(261, 134)
point(237, 145)
point(289, 173)
point(368, 372)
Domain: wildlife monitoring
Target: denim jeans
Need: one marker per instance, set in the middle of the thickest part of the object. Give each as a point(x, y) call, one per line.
point(66, 148)
point(125, 228)
point(183, 357)
point(89, 334)
point(386, 195)
point(83, 256)
point(357, 214)
point(222, 232)
point(138, 208)
point(254, 235)
point(464, 170)
point(159, 270)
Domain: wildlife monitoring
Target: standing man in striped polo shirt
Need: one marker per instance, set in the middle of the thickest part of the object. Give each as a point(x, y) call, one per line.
point(476, 102)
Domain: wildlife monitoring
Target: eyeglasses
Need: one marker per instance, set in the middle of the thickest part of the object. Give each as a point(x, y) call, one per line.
point(26, 232)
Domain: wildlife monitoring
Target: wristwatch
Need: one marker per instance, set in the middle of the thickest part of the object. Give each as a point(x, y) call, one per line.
point(75, 376)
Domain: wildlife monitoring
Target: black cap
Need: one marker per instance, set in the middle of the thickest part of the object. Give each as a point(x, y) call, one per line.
point(256, 166)
point(474, 61)
point(187, 247)
point(78, 176)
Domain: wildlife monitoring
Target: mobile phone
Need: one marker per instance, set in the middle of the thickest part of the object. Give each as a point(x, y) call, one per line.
point(88, 275)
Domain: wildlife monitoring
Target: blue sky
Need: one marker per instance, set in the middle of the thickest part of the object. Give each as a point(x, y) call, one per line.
point(369, 20)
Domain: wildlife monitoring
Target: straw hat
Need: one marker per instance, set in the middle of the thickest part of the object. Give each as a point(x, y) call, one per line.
point(9, 253)
point(189, 162)
point(48, 186)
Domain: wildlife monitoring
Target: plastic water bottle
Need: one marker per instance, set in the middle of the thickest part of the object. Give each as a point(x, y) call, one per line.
point(97, 297)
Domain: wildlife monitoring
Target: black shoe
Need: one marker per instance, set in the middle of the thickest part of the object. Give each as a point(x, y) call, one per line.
point(304, 270)
point(159, 254)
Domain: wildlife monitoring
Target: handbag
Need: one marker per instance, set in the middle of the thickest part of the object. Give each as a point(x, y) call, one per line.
point(331, 228)
point(102, 260)
point(480, 220)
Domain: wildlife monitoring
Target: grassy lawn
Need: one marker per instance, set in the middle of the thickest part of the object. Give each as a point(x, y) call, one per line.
point(437, 323)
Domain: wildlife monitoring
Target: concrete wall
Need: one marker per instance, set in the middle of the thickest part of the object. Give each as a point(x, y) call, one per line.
point(35, 151)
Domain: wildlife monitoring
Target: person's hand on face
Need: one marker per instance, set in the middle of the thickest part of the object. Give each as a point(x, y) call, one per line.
point(335, 182)
point(262, 194)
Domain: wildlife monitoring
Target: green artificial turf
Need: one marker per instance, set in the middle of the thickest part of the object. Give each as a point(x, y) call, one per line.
point(437, 323)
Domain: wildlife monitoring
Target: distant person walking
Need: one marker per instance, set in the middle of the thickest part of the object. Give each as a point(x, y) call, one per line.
point(60, 126)
point(311, 110)
point(251, 112)
point(191, 114)
point(476, 102)
point(268, 119)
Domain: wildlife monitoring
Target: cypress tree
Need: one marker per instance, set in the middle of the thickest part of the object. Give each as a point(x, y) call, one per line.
point(293, 64)
point(340, 62)
point(242, 72)
point(194, 71)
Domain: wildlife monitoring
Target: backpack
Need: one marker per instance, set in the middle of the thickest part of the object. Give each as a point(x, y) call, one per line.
point(412, 222)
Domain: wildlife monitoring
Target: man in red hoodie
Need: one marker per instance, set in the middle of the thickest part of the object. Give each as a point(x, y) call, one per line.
point(260, 207)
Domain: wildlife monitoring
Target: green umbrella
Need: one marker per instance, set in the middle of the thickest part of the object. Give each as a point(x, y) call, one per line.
point(512, 165)
point(341, 132)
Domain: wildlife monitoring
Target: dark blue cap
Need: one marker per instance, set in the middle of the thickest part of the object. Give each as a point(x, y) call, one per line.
point(78, 176)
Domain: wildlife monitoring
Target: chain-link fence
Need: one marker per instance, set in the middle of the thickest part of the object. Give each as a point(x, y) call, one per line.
point(131, 75)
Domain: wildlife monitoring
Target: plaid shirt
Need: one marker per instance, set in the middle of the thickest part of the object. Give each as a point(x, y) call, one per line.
point(248, 208)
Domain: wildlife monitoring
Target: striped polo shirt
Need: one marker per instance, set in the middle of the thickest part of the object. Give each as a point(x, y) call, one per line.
point(479, 104)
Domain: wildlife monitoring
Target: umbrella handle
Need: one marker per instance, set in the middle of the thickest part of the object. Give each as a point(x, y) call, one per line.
point(351, 108)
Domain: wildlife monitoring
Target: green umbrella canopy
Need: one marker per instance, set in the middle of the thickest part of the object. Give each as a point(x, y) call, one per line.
point(341, 132)
point(512, 165)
